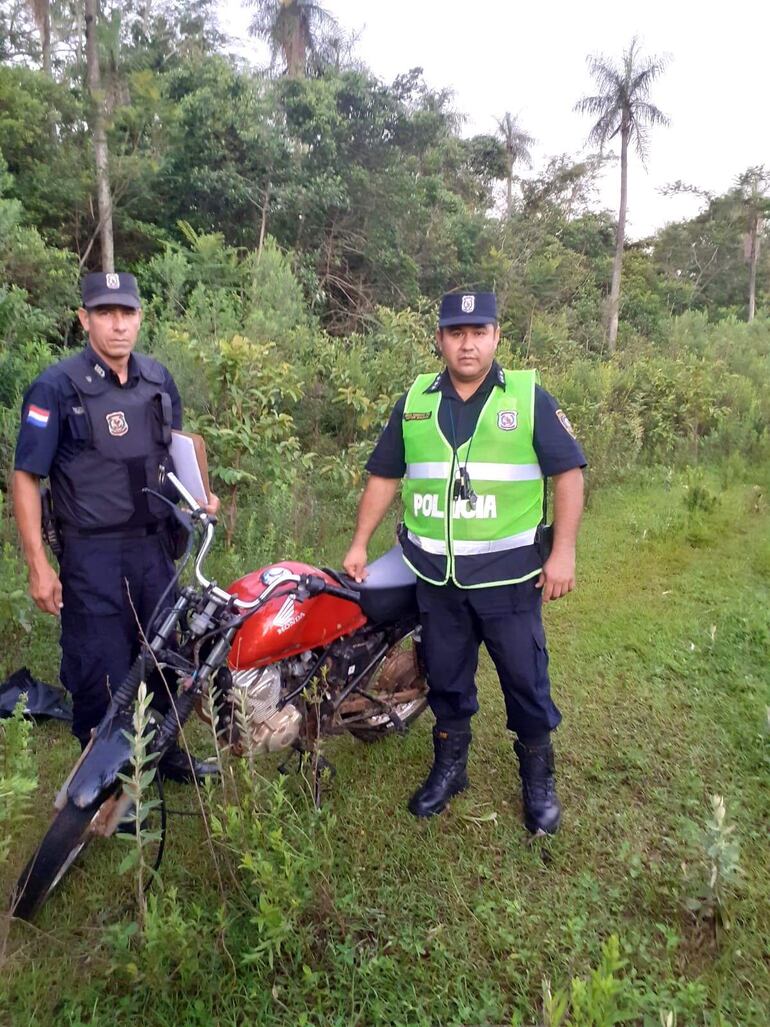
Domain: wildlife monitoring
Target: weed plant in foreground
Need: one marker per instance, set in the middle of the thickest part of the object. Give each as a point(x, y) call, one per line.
point(279, 915)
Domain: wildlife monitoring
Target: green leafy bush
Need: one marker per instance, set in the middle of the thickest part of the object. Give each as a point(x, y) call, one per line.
point(18, 776)
point(278, 846)
point(602, 999)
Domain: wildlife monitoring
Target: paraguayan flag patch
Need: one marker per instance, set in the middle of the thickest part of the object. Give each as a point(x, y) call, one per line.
point(37, 416)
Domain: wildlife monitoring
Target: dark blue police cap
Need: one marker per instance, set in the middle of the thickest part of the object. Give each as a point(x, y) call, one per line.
point(467, 308)
point(110, 290)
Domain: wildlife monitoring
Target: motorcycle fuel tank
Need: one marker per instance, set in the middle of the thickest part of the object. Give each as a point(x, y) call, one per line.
point(284, 626)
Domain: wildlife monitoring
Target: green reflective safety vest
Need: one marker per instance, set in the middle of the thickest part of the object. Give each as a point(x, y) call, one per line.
point(503, 468)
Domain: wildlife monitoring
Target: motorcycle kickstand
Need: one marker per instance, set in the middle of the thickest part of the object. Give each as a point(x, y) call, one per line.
point(321, 763)
point(319, 766)
point(321, 769)
point(284, 768)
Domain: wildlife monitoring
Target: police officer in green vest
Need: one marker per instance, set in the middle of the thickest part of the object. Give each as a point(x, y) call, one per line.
point(474, 445)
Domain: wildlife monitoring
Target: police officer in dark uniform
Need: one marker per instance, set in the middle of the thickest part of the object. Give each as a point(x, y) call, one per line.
point(98, 426)
point(474, 444)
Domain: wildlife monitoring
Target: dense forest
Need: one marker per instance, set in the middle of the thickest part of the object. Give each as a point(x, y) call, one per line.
point(292, 227)
point(146, 123)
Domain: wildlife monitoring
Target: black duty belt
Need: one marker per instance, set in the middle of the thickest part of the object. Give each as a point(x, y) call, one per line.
point(142, 531)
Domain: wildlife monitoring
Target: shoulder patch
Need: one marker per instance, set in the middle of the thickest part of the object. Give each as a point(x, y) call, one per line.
point(418, 415)
point(38, 416)
point(565, 423)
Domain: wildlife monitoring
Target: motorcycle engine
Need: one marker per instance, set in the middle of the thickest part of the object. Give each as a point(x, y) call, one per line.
point(256, 696)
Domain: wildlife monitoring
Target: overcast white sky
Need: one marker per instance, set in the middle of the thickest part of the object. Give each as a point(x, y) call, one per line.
point(531, 59)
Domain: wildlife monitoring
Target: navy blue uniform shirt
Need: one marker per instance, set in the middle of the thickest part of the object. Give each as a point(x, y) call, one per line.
point(51, 407)
point(556, 447)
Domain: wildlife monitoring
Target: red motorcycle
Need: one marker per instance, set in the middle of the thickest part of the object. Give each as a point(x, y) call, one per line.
point(289, 654)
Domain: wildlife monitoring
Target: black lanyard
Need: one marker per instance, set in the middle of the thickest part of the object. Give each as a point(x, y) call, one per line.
point(462, 487)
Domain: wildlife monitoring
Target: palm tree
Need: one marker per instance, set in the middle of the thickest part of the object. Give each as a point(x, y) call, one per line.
point(621, 108)
point(516, 143)
point(295, 30)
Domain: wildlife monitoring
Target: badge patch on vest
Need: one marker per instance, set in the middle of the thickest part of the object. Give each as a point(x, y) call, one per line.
point(420, 415)
point(565, 423)
point(116, 423)
point(507, 420)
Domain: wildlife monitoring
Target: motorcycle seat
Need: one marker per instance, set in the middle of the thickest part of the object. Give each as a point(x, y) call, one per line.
point(389, 591)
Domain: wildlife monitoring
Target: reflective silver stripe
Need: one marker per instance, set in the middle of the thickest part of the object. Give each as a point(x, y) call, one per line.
point(478, 471)
point(428, 545)
point(428, 470)
point(498, 545)
point(504, 472)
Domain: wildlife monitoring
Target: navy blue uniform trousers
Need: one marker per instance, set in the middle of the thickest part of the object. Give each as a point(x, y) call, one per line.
point(507, 619)
point(109, 587)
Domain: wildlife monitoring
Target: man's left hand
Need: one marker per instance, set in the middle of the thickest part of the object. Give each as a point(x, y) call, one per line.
point(557, 577)
point(212, 507)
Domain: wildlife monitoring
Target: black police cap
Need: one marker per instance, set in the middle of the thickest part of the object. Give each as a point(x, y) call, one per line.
point(110, 290)
point(467, 308)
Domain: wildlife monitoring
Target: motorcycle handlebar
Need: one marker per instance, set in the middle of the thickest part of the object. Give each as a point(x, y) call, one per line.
point(350, 594)
point(311, 583)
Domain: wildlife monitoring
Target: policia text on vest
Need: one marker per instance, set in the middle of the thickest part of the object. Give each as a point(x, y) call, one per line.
point(429, 505)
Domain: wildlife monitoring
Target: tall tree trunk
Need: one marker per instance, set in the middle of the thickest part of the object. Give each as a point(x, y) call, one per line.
point(47, 41)
point(509, 183)
point(613, 309)
point(99, 132)
point(45, 36)
point(263, 220)
point(296, 50)
point(41, 12)
point(756, 222)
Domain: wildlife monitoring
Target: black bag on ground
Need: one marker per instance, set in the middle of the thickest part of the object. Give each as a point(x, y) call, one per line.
point(42, 700)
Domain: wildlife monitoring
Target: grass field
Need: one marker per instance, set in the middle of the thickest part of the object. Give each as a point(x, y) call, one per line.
point(361, 915)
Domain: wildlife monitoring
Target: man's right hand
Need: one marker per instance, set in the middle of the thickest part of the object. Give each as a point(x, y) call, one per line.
point(354, 563)
point(373, 505)
point(45, 588)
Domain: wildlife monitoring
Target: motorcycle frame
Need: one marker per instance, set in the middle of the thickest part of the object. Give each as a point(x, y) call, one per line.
point(109, 749)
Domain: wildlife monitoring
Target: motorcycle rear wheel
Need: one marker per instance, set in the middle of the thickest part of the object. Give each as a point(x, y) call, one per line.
point(63, 842)
point(398, 671)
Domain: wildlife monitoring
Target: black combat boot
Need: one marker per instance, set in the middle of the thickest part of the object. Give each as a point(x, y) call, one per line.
point(176, 765)
point(447, 776)
point(542, 809)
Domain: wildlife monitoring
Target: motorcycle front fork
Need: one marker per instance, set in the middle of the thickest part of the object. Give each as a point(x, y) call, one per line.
point(191, 688)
